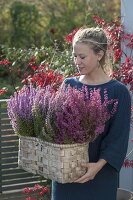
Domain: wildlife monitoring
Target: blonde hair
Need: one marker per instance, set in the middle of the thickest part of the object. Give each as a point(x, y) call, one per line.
point(96, 38)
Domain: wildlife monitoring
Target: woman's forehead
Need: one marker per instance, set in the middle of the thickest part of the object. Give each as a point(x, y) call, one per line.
point(81, 48)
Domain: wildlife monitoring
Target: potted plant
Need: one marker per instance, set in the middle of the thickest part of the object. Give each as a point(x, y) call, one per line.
point(56, 126)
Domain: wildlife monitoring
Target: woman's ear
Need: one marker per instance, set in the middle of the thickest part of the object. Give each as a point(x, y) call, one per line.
point(100, 54)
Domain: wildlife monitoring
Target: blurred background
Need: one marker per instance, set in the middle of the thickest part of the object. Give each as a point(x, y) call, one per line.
point(34, 31)
point(26, 23)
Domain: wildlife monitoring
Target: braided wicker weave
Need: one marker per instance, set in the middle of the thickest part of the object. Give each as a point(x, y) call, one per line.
point(61, 163)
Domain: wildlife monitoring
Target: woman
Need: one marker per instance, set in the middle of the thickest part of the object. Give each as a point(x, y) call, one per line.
point(107, 152)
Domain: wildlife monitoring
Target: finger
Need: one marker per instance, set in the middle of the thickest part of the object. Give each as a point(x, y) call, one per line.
point(81, 179)
point(84, 181)
point(84, 165)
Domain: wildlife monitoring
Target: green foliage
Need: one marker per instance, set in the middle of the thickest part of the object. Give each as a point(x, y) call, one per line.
point(108, 10)
point(37, 29)
point(38, 120)
point(12, 75)
point(64, 16)
point(25, 25)
point(25, 128)
point(5, 26)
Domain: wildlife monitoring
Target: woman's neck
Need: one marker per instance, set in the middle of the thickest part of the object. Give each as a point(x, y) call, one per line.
point(94, 79)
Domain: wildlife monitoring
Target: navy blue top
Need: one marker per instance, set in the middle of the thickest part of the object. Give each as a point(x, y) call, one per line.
point(110, 146)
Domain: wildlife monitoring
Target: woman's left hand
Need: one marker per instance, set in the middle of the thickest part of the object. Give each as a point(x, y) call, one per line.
point(92, 170)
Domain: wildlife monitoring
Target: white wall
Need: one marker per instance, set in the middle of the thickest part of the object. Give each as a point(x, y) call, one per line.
point(126, 174)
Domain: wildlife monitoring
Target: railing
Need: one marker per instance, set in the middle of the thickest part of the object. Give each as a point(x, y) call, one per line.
point(12, 179)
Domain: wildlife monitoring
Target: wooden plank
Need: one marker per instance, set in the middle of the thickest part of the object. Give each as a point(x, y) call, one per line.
point(9, 160)
point(17, 186)
point(9, 149)
point(9, 155)
point(17, 176)
point(13, 165)
point(9, 138)
point(9, 144)
point(3, 101)
point(4, 115)
point(12, 171)
point(3, 110)
point(5, 121)
point(18, 181)
point(7, 132)
point(6, 126)
point(13, 196)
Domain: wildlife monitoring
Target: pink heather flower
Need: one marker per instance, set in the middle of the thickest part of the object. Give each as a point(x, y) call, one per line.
point(78, 116)
point(128, 163)
point(37, 187)
point(5, 62)
point(100, 129)
point(3, 91)
point(20, 110)
point(65, 116)
point(27, 190)
point(43, 191)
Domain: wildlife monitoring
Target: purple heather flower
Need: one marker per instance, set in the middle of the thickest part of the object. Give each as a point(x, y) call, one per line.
point(20, 110)
point(66, 116)
point(79, 115)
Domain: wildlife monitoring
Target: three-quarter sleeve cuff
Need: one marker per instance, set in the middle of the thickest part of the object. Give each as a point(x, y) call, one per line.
point(113, 162)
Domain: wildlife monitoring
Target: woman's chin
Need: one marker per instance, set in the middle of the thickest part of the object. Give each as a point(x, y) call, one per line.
point(81, 73)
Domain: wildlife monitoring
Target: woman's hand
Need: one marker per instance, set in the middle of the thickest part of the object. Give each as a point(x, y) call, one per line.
point(93, 169)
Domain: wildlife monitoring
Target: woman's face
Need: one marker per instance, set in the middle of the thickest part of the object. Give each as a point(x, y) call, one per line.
point(85, 59)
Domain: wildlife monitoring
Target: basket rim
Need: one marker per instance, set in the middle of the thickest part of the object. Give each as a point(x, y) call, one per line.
point(54, 144)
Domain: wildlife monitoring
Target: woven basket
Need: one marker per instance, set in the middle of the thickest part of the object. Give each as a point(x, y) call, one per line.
point(61, 163)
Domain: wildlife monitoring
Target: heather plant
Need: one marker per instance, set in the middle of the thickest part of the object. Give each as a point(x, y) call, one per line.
point(63, 116)
point(38, 192)
point(3, 90)
point(20, 111)
point(72, 117)
point(40, 108)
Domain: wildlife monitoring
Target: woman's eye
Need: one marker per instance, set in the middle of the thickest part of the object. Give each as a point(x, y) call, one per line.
point(82, 57)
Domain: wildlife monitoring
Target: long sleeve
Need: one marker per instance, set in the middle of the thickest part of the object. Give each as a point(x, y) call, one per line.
point(114, 146)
